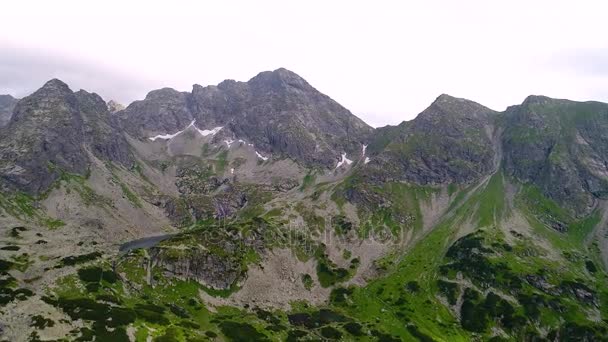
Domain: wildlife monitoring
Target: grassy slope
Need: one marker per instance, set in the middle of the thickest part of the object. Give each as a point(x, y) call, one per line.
point(388, 300)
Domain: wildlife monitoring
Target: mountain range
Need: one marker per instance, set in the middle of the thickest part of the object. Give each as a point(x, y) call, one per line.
point(264, 210)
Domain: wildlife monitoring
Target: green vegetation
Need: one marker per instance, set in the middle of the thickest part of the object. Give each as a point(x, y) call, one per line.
point(221, 162)
point(126, 191)
point(314, 222)
point(308, 180)
point(23, 206)
point(404, 213)
point(9, 287)
point(79, 259)
point(492, 202)
point(328, 273)
point(307, 281)
point(130, 195)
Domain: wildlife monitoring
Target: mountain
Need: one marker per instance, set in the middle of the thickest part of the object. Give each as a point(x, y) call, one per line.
point(7, 103)
point(264, 210)
point(53, 131)
point(277, 111)
point(560, 146)
point(449, 142)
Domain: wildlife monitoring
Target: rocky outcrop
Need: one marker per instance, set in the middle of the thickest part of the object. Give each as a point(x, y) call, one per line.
point(215, 258)
point(114, 107)
point(7, 104)
point(162, 111)
point(208, 269)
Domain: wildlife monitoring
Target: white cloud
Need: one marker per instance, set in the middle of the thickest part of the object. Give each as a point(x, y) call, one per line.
point(386, 61)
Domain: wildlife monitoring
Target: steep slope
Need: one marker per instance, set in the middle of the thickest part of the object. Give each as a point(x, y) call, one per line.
point(449, 142)
point(451, 145)
point(489, 270)
point(7, 104)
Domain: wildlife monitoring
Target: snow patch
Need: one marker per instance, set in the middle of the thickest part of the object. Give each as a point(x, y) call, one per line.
point(232, 171)
point(203, 132)
point(171, 136)
point(261, 156)
point(344, 161)
point(245, 143)
point(206, 132)
point(165, 136)
point(366, 160)
point(229, 142)
point(363, 149)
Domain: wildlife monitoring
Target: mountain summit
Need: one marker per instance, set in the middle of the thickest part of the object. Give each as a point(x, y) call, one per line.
point(277, 111)
point(54, 129)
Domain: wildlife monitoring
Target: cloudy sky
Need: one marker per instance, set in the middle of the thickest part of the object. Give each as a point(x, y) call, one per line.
point(384, 60)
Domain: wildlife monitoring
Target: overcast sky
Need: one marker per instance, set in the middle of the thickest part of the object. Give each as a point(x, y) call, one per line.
point(384, 60)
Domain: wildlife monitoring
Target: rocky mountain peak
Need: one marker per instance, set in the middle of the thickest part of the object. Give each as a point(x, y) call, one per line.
point(537, 100)
point(197, 88)
point(449, 142)
point(55, 126)
point(7, 98)
point(280, 79)
point(55, 85)
point(163, 94)
point(446, 105)
point(93, 98)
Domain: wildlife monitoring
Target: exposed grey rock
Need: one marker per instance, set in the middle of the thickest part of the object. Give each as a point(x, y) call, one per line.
point(209, 269)
point(7, 104)
point(162, 111)
point(50, 132)
point(114, 107)
point(277, 111)
point(214, 258)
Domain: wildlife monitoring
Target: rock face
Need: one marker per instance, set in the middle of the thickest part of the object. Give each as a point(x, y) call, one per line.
point(162, 111)
point(209, 269)
point(7, 104)
point(449, 142)
point(561, 147)
point(278, 112)
point(53, 130)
